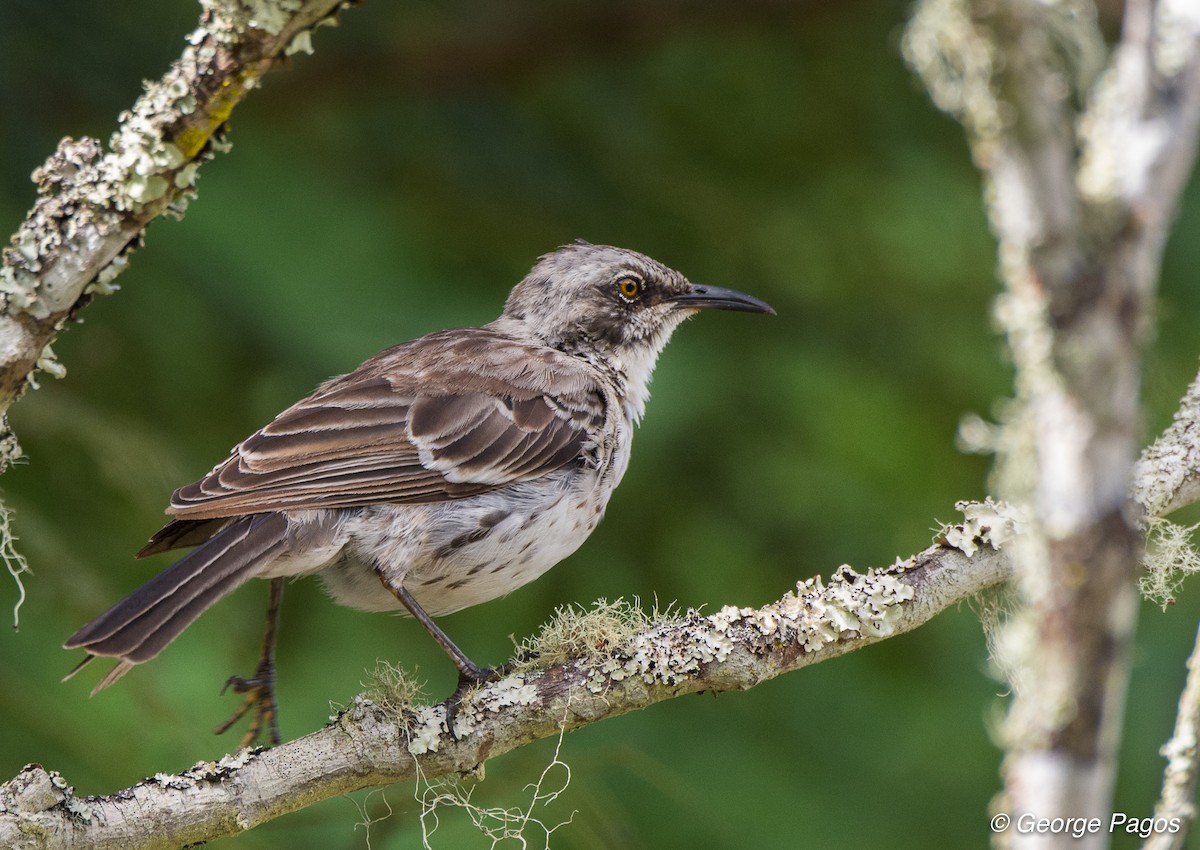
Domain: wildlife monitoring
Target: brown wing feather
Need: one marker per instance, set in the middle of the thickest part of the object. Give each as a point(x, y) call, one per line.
point(443, 417)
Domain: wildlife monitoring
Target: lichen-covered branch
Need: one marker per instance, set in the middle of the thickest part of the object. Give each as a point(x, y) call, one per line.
point(368, 745)
point(1139, 136)
point(1168, 472)
point(95, 201)
point(1178, 799)
point(1083, 169)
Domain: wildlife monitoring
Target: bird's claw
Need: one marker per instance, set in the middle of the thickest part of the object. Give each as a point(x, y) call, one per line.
point(468, 680)
point(260, 695)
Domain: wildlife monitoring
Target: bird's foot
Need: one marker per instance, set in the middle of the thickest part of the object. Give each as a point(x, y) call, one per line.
point(468, 680)
point(260, 695)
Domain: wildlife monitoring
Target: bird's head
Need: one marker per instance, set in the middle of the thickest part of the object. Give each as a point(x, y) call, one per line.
point(612, 301)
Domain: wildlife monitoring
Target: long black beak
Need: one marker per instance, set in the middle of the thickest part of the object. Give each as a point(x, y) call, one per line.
point(719, 298)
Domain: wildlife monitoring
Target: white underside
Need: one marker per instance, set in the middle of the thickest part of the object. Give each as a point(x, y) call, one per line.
point(547, 521)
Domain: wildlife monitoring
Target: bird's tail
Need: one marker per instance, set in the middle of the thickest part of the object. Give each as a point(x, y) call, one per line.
point(141, 625)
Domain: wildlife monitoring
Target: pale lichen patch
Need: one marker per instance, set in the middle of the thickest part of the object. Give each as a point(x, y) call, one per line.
point(138, 167)
point(33, 790)
point(49, 363)
point(301, 43)
point(986, 523)
point(104, 282)
point(81, 809)
point(270, 15)
point(173, 781)
point(86, 193)
point(1174, 23)
point(851, 603)
point(817, 614)
point(425, 727)
point(514, 690)
point(205, 771)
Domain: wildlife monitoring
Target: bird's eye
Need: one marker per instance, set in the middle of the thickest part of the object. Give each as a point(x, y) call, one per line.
point(629, 288)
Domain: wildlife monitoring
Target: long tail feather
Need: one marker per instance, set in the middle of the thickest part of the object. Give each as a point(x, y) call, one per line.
point(139, 626)
point(183, 534)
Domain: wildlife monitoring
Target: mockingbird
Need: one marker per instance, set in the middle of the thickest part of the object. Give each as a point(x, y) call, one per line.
point(439, 474)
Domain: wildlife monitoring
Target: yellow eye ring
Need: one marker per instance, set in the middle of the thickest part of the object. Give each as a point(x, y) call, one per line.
point(629, 288)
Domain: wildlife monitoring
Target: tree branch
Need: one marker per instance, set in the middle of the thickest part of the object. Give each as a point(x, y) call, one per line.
point(1179, 778)
point(368, 745)
point(1168, 472)
point(94, 204)
point(1080, 209)
point(1080, 202)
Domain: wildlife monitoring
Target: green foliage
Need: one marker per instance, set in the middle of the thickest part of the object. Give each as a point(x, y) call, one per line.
point(400, 181)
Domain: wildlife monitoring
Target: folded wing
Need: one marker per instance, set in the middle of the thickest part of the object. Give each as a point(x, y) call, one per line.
point(393, 431)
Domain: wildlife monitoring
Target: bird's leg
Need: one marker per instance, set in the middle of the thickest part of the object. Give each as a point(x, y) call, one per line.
point(469, 673)
point(260, 688)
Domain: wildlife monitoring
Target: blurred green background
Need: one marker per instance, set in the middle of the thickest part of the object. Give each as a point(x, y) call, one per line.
point(400, 181)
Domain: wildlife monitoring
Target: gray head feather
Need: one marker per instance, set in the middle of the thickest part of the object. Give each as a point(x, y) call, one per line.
point(578, 296)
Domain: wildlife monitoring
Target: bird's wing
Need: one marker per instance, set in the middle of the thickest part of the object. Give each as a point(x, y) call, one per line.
point(443, 417)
